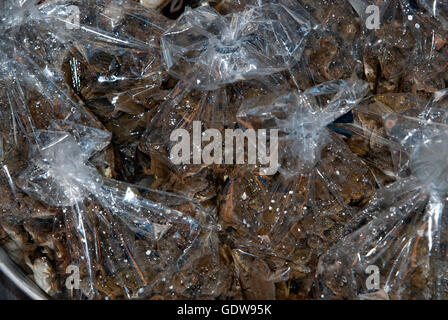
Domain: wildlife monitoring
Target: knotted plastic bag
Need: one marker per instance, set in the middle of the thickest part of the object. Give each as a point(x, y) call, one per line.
point(395, 248)
point(302, 119)
point(208, 50)
point(227, 59)
point(61, 216)
point(124, 243)
point(106, 56)
point(283, 223)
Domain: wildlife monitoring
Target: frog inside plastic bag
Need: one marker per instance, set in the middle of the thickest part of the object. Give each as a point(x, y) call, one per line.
point(396, 247)
point(61, 216)
point(368, 137)
point(220, 61)
point(403, 47)
point(126, 242)
point(283, 223)
point(108, 54)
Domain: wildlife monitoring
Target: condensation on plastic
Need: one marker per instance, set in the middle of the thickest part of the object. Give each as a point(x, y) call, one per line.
point(210, 50)
point(401, 233)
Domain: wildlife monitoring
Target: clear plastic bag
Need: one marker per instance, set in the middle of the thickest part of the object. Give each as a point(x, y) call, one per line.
point(283, 223)
point(215, 77)
point(209, 50)
point(60, 214)
point(123, 240)
point(302, 120)
point(126, 243)
point(105, 56)
point(400, 236)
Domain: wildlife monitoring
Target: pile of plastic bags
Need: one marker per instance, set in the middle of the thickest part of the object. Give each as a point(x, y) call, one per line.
point(338, 188)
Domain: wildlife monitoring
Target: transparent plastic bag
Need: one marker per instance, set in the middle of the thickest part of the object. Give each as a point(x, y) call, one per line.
point(30, 227)
point(405, 51)
point(106, 56)
point(60, 214)
point(368, 136)
point(396, 245)
point(283, 223)
point(91, 91)
point(122, 239)
point(128, 244)
point(288, 224)
point(209, 50)
point(333, 47)
point(302, 120)
point(113, 57)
